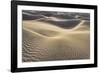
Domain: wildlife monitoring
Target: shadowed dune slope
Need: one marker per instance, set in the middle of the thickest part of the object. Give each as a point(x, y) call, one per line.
point(46, 42)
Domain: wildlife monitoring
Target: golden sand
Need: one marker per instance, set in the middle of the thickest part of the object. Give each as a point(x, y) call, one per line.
point(44, 42)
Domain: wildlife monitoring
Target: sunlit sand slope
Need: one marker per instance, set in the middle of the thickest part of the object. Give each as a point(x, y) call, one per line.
point(44, 42)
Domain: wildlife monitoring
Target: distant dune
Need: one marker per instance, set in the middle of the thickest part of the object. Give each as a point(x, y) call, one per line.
point(43, 41)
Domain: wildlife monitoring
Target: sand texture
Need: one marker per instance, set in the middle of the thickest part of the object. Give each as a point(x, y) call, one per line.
point(50, 36)
point(44, 41)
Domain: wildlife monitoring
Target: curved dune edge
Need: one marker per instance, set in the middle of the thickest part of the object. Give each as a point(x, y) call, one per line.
point(45, 42)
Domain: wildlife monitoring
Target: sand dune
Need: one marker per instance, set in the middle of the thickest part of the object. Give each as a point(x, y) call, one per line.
point(43, 41)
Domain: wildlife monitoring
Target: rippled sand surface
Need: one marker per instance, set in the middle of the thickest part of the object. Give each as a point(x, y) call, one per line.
point(43, 41)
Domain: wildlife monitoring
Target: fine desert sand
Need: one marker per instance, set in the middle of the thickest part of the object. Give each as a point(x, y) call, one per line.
point(43, 41)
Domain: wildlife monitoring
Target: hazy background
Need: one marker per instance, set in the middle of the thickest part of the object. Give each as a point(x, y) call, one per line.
point(62, 19)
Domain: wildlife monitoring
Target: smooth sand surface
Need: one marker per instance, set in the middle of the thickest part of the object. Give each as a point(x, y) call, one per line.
point(42, 41)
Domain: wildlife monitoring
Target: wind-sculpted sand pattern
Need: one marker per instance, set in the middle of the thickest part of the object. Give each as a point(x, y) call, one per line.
point(43, 41)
